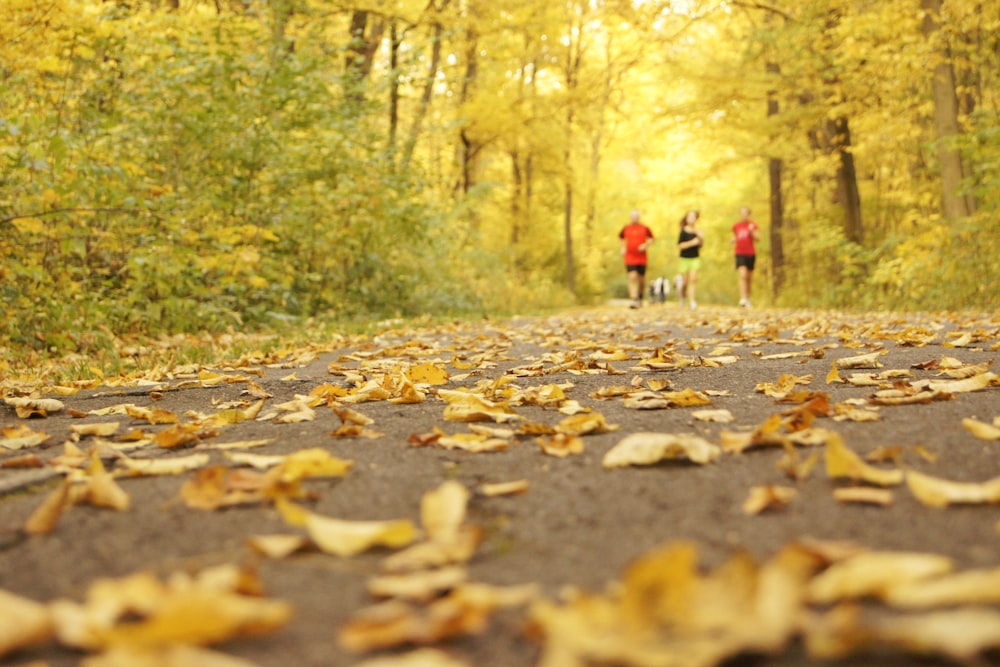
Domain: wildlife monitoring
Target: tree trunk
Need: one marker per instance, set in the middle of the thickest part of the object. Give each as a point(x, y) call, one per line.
point(426, 95)
point(517, 193)
point(469, 148)
point(777, 203)
point(568, 234)
point(848, 194)
point(394, 42)
point(953, 203)
point(360, 53)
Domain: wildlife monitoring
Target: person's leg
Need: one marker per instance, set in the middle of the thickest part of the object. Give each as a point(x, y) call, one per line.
point(691, 284)
point(743, 274)
point(633, 286)
point(641, 290)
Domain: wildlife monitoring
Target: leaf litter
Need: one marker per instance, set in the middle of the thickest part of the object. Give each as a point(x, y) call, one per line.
point(666, 608)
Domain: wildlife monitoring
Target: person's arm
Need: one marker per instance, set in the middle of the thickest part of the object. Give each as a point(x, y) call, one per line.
point(755, 232)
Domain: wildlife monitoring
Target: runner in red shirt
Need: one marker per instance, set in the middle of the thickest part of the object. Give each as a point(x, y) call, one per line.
point(636, 238)
point(745, 233)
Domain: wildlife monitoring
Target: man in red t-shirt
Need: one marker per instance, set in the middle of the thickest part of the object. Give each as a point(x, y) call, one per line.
point(745, 233)
point(636, 238)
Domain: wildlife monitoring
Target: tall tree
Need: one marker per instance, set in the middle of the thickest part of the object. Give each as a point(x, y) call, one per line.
point(954, 204)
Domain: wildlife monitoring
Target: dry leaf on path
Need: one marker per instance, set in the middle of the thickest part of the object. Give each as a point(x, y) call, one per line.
point(494, 489)
point(172, 655)
point(720, 416)
point(423, 657)
point(20, 437)
point(26, 407)
point(861, 361)
point(645, 448)
point(768, 497)
point(936, 492)
point(978, 429)
point(345, 538)
point(23, 623)
point(872, 574)
point(842, 462)
point(560, 445)
point(418, 586)
point(863, 495)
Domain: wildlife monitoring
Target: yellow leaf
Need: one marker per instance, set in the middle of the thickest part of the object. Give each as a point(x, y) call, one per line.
point(421, 586)
point(584, 424)
point(834, 374)
point(311, 463)
point(442, 510)
point(44, 519)
point(935, 492)
point(863, 494)
point(492, 489)
point(349, 538)
point(560, 444)
point(172, 466)
point(277, 546)
point(979, 429)
point(163, 656)
point(427, 374)
point(872, 574)
point(196, 616)
point(31, 407)
point(842, 462)
point(768, 497)
point(644, 448)
point(23, 623)
point(861, 361)
point(103, 430)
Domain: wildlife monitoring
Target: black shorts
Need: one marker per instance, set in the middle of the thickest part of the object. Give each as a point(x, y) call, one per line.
point(638, 268)
point(746, 260)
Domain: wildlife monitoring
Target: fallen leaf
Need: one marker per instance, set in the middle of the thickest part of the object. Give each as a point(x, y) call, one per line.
point(872, 574)
point(721, 416)
point(494, 489)
point(560, 444)
point(768, 497)
point(644, 448)
point(585, 424)
point(418, 586)
point(171, 466)
point(936, 492)
point(277, 546)
point(26, 407)
point(864, 495)
point(349, 538)
point(861, 361)
point(842, 462)
point(104, 430)
point(171, 655)
point(424, 657)
point(978, 429)
point(23, 623)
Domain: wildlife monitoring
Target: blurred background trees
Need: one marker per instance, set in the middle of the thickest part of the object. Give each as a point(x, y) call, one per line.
point(190, 165)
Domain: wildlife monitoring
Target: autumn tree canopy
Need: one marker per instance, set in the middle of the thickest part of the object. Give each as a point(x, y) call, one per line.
point(193, 164)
